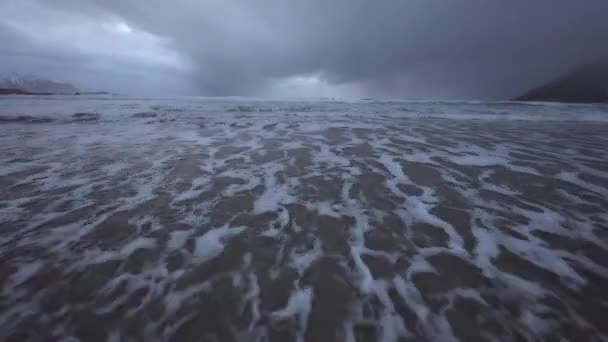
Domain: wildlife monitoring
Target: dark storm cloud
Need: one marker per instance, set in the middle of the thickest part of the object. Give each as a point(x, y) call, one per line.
point(397, 48)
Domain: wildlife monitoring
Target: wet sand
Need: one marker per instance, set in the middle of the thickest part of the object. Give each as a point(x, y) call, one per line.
point(257, 226)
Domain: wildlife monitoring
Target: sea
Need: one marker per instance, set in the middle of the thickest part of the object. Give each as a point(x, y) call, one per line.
point(237, 219)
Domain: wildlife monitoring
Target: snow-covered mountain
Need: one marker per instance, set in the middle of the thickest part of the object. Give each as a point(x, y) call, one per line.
point(34, 84)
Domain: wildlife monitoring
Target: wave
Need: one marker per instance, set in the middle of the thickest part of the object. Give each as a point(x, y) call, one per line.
point(4, 119)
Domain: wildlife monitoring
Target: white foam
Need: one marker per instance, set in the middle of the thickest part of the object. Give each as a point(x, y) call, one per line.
point(539, 326)
point(501, 189)
point(273, 198)
point(311, 126)
point(411, 138)
point(478, 160)
point(468, 293)
point(393, 167)
point(547, 220)
point(412, 297)
point(325, 208)
point(349, 331)
point(544, 258)
point(391, 323)
point(485, 250)
point(299, 304)
point(114, 168)
point(419, 157)
point(435, 326)
point(391, 257)
point(178, 239)
point(573, 177)
point(326, 156)
point(271, 232)
point(366, 279)
point(188, 195)
point(420, 213)
point(195, 137)
point(302, 261)
point(419, 264)
point(253, 297)
point(251, 181)
point(24, 272)
point(137, 243)
point(212, 243)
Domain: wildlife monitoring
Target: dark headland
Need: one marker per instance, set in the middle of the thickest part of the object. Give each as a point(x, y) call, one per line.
point(17, 84)
point(585, 84)
point(13, 91)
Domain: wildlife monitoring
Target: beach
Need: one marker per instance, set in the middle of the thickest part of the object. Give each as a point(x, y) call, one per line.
point(192, 219)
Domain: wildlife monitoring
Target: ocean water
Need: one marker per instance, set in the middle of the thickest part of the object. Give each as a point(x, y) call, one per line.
point(201, 219)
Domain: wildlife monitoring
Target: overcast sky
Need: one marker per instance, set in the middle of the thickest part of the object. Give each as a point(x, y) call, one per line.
point(439, 49)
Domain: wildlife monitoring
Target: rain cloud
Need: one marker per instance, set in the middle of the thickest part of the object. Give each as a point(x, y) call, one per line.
point(431, 49)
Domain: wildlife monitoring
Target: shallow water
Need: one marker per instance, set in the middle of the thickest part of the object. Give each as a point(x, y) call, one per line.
point(247, 220)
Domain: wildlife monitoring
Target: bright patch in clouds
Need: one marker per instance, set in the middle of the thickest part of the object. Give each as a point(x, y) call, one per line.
point(107, 37)
point(120, 27)
point(312, 86)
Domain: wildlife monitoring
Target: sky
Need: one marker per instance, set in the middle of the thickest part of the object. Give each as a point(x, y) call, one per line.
point(407, 49)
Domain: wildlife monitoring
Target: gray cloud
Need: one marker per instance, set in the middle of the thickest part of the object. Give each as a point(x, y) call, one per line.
point(392, 48)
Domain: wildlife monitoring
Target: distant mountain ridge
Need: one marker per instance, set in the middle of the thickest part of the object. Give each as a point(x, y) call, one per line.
point(33, 84)
point(585, 84)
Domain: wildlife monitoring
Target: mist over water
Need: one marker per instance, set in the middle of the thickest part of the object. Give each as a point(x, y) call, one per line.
point(189, 219)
